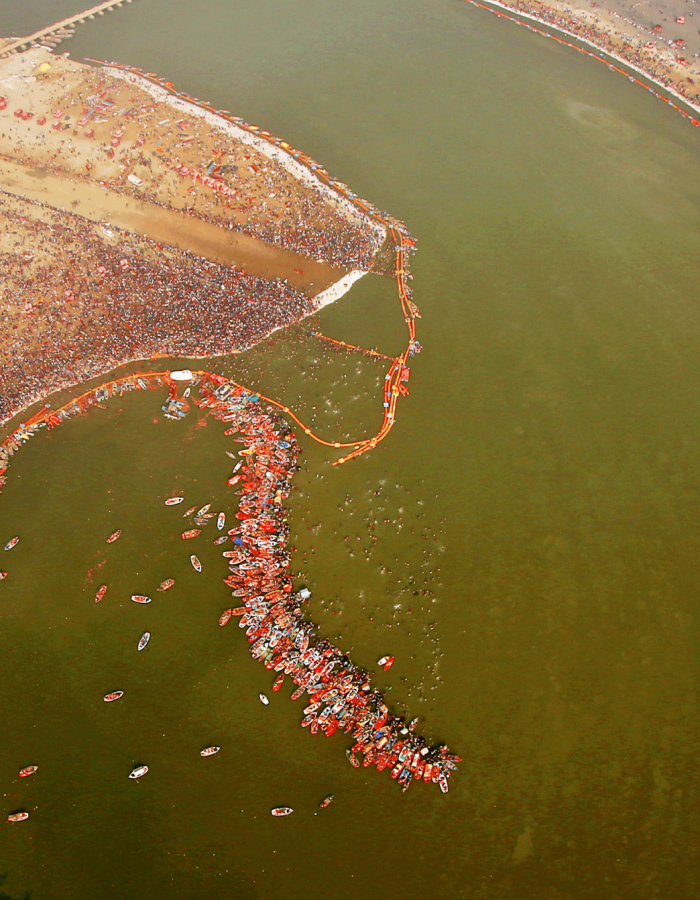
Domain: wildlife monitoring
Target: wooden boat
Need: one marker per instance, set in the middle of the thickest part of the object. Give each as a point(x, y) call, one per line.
point(189, 512)
point(173, 501)
point(281, 811)
point(279, 681)
point(222, 539)
point(204, 509)
point(12, 543)
point(221, 521)
point(209, 751)
point(113, 536)
point(326, 802)
point(115, 695)
point(138, 771)
point(3, 576)
point(140, 598)
point(27, 771)
point(263, 699)
point(101, 591)
point(193, 532)
point(18, 817)
point(196, 564)
point(225, 617)
point(297, 693)
point(164, 585)
point(353, 759)
point(145, 638)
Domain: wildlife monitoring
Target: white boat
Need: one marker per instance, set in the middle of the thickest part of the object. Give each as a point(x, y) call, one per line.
point(209, 751)
point(282, 811)
point(145, 638)
point(173, 501)
point(221, 521)
point(263, 699)
point(12, 543)
point(138, 771)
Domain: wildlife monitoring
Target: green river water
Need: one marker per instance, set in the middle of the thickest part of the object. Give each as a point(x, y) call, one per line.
point(536, 510)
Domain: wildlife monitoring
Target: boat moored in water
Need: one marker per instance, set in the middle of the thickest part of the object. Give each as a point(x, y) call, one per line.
point(221, 521)
point(189, 512)
point(164, 585)
point(114, 536)
point(115, 695)
point(145, 638)
point(140, 598)
point(209, 751)
point(196, 564)
point(326, 802)
point(18, 817)
point(225, 617)
point(27, 771)
point(280, 811)
point(12, 543)
point(193, 532)
point(3, 576)
point(138, 771)
point(263, 699)
point(101, 591)
point(173, 501)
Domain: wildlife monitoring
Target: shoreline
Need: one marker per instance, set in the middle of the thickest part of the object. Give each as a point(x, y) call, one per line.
point(566, 23)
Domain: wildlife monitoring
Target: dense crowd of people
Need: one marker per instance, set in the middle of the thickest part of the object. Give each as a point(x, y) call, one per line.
point(84, 306)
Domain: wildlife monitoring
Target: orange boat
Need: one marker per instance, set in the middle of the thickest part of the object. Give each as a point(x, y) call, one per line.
point(3, 576)
point(115, 695)
point(225, 617)
point(209, 751)
point(164, 585)
point(113, 536)
point(193, 532)
point(102, 590)
point(27, 771)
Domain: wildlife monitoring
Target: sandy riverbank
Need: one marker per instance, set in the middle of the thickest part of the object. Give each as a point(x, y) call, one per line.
point(134, 224)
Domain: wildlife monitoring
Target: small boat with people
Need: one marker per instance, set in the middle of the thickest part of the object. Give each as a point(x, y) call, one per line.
point(165, 585)
point(225, 617)
point(192, 533)
point(279, 681)
point(173, 501)
point(12, 543)
point(3, 576)
point(280, 811)
point(209, 751)
point(27, 771)
point(203, 510)
point(263, 699)
point(115, 695)
point(115, 535)
point(138, 771)
point(189, 512)
point(101, 591)
point(144, 639)
point(140, 598)
point(221, 521)
point(326, 802)
point(18, 817)
point(386, 662)
point(196, 564)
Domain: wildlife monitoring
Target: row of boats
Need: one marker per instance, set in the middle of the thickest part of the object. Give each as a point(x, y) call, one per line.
point(340, 693)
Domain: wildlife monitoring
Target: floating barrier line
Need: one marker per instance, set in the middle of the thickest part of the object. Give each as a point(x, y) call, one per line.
point(516, 13)
point(344, 344)
point(403, 243)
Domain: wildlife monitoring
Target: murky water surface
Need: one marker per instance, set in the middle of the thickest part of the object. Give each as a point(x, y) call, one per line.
point(526, 542)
